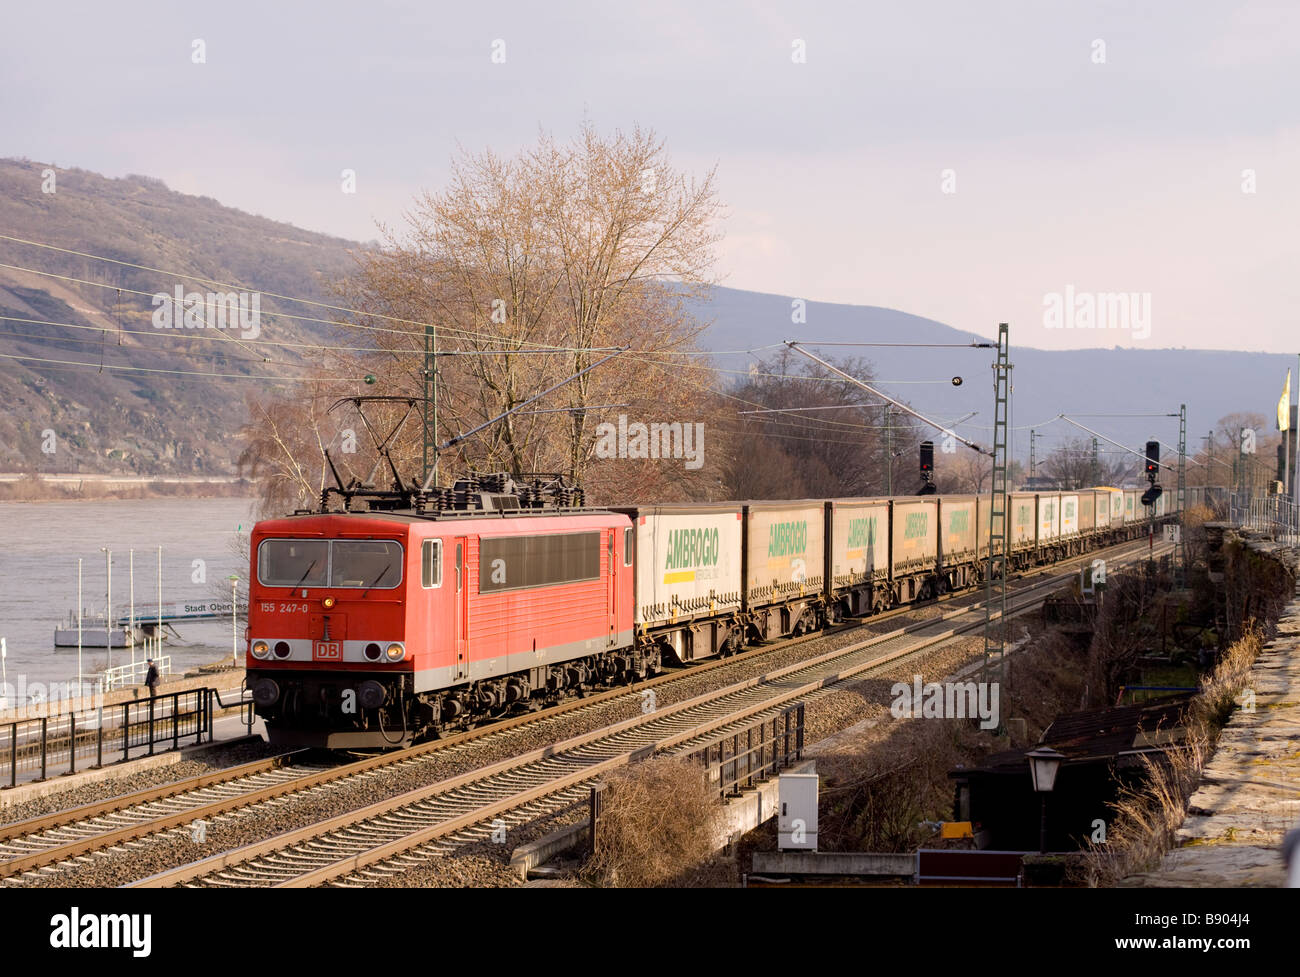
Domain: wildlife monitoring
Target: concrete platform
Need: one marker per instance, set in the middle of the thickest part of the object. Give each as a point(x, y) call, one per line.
point(865, 864)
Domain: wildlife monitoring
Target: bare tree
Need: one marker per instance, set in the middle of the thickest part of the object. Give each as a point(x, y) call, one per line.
point(533, 267)
point(965, 472)
point(1241, 451)
point(1070, 465)
point(802, 431)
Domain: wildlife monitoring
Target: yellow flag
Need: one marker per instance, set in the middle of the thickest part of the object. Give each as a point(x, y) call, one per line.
point(1284, 406)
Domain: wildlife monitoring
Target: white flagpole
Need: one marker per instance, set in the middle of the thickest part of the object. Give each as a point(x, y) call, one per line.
point(130, 636)
point(79, 605)
point(108, 600)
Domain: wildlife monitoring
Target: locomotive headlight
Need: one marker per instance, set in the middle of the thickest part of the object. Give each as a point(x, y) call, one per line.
point(261, 649)
point(328, 602)
point(395, 652)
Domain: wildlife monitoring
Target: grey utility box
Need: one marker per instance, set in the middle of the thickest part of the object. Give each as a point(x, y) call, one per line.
point(796, 823)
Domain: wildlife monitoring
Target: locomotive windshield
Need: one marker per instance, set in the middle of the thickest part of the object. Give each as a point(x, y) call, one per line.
point(330, 563)
point(365, 563)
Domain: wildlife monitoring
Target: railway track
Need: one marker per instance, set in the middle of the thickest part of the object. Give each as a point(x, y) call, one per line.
point(364, 846)
point(32, 849)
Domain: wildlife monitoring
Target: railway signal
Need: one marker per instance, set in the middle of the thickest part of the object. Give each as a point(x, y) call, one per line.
point(1153, 469)
point(927, 469)
point(1153, 460)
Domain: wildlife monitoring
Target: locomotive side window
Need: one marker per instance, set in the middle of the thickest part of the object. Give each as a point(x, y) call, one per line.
point(366, 563)
point(293, 562)
point(517, 562)
point(627, 547)
point(431, 564)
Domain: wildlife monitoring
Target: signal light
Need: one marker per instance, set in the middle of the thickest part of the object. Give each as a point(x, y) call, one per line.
point(1153, 457)
point(1150, 495)
point(927, 456)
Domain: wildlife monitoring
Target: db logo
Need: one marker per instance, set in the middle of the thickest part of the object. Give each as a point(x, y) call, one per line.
point(328, 651)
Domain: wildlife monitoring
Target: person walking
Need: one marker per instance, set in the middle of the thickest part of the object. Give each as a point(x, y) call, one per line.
point(151, 679)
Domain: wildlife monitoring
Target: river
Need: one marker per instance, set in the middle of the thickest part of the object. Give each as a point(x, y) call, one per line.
point(204, 542)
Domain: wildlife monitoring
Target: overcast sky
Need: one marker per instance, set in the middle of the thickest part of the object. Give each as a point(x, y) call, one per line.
point(1106, 167)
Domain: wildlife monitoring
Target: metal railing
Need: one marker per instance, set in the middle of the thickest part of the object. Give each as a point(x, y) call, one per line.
point(739, 760)
point(133, 673)
point(1275, 515)
point(54, 744)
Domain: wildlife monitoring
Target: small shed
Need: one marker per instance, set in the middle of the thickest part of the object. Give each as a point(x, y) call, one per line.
point(1104, 749)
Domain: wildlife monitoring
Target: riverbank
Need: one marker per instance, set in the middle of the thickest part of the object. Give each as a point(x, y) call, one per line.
point(75, 487)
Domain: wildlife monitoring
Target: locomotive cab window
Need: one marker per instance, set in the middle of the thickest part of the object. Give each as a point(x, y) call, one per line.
point(517, 562)
point(627, 547)
point(365, 563)
point(431, 563)
point(293, 562)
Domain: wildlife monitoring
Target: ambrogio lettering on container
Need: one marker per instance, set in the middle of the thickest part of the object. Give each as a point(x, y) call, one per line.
point(787, 538)
point(689, 548)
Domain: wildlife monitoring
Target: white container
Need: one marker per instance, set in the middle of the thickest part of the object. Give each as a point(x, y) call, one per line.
point(859, 541)
point(687, 561)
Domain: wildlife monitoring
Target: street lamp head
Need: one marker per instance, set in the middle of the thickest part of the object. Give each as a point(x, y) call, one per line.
point(1044, 763)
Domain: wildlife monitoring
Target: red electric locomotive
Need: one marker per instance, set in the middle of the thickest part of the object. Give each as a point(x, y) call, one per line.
point(371, 629)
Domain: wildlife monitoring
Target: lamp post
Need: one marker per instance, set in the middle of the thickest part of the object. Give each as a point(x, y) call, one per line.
point(1044, 763)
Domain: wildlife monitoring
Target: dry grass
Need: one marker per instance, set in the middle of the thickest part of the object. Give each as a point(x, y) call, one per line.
point(660, 820)
point(1045, 680)
point(1147, 818)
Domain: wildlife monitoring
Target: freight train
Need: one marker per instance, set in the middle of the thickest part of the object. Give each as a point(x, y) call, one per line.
point(373, 629)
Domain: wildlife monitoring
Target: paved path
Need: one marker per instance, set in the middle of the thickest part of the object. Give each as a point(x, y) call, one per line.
point(1249, 795)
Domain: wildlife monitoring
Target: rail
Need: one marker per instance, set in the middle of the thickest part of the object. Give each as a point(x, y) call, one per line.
point(54, 744)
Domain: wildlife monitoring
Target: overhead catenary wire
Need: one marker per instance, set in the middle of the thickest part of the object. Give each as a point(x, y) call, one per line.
point(229, 285)
point(872, 390)
point(452, 330)
point(1098, 434)
point(189, 373)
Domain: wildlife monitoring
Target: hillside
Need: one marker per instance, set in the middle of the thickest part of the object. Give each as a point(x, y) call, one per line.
point(112, 414)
